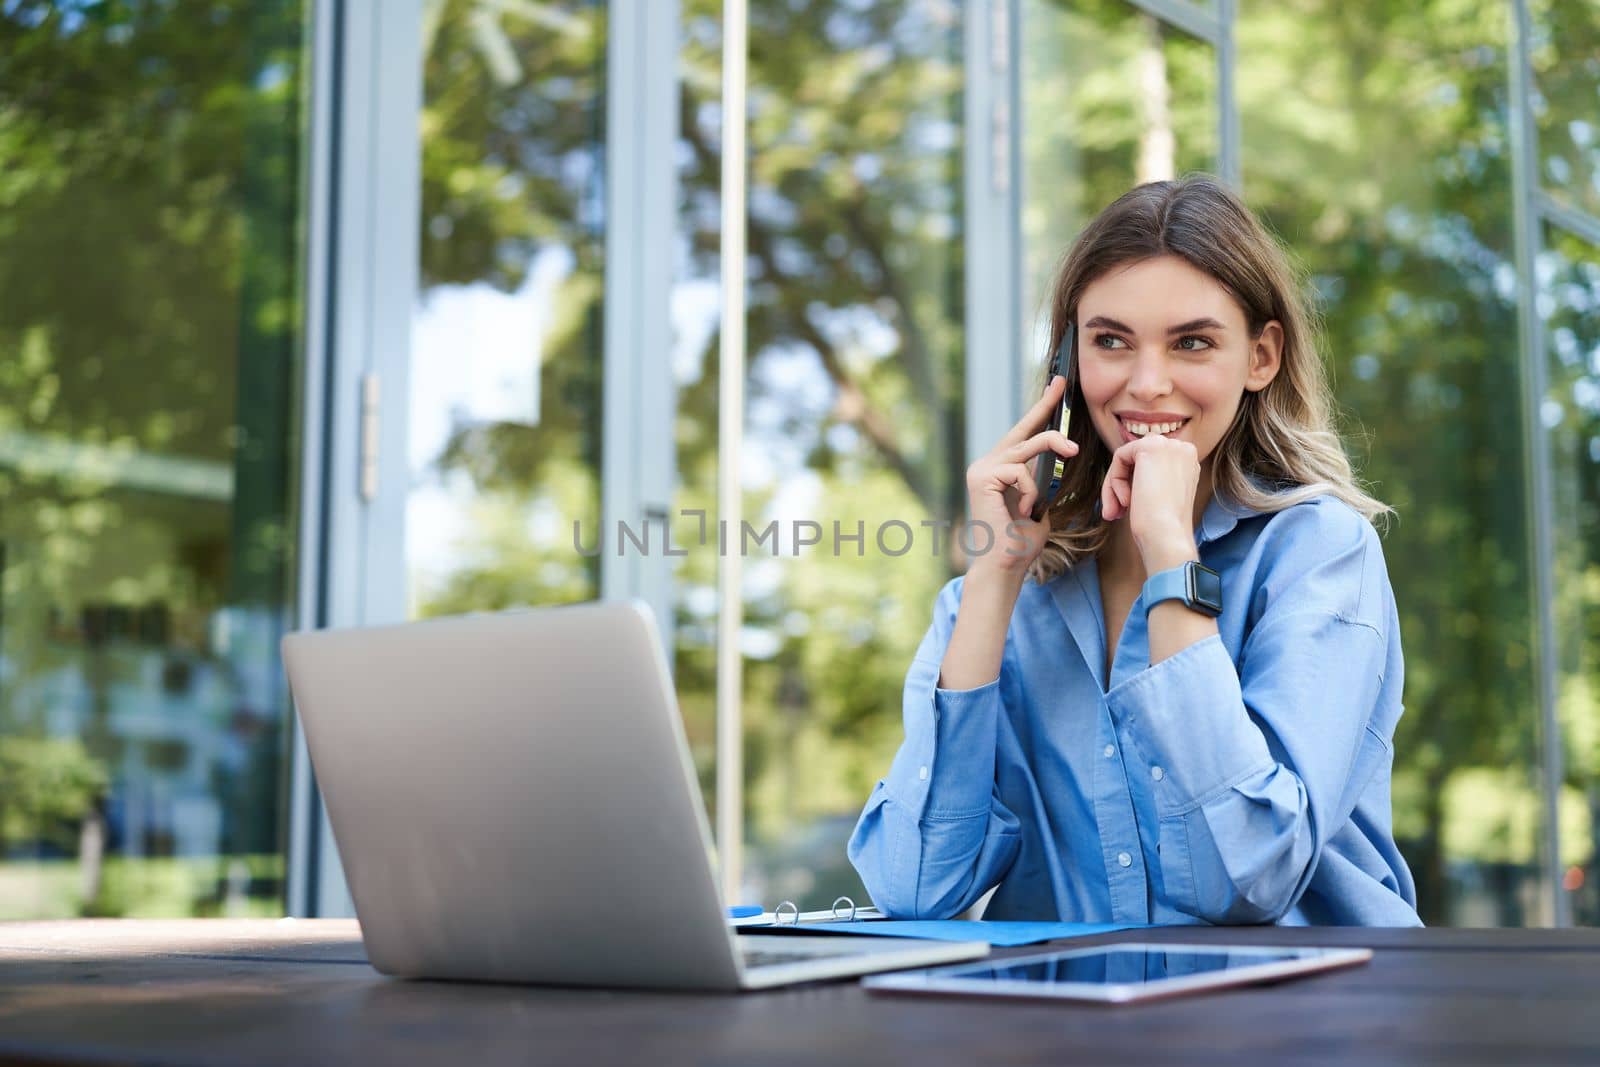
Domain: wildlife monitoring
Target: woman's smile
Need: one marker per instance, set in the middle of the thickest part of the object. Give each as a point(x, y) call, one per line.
point(1135, 425)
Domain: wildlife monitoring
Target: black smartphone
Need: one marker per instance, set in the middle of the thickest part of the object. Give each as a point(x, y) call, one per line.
point(1049, 468)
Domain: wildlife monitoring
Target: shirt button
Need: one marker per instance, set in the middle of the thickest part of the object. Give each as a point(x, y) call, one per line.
point(1111, 750)
point(922, 773)
point(1124, 859)
point(1157, 773)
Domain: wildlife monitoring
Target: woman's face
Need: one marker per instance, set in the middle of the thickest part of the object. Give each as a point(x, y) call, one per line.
point(1164, 348)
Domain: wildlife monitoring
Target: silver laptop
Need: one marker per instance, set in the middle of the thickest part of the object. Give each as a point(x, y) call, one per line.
point(513, 801)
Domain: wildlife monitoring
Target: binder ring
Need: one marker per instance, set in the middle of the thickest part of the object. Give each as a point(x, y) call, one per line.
point(777, 914)
point(849, 916)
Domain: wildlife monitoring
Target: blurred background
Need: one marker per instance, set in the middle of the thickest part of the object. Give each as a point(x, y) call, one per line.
point(320, 313)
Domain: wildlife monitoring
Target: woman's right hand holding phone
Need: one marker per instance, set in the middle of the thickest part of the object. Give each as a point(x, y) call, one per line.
point(1001, 490)
point(1000, 493)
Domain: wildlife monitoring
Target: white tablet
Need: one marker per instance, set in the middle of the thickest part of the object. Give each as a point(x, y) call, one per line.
point(1120, 974)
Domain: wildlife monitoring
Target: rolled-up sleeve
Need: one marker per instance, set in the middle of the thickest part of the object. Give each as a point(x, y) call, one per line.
point(1251, 765)
point(934, 836)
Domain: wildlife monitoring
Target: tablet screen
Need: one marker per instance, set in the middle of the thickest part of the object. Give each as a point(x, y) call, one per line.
point(1122, 966)
point(1121, 972)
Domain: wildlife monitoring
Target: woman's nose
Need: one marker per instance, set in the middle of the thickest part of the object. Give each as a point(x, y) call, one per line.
point(1150, 377)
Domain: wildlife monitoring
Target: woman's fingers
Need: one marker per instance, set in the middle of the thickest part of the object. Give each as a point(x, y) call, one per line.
point(1116, 492)
point(1108, 503)
point(1016, 475)
point(1047, 440)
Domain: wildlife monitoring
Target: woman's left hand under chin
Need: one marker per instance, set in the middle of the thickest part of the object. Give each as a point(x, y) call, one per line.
point(1153, 481)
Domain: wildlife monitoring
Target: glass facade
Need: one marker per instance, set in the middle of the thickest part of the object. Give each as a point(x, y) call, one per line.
point(505, 384)
point(1564, 51)
point(1564, 54)
point(1111, 97)
point(1414, 268)
point(150, 347)
point(1569, 309)
point(155, 167)
point(696, 376)
point(854, 409)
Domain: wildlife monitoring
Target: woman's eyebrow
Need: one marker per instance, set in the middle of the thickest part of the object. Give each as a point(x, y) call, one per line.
point(1182, 327)
point(1196, 324)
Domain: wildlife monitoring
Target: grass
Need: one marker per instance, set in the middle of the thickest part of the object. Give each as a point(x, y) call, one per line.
point(161, 887)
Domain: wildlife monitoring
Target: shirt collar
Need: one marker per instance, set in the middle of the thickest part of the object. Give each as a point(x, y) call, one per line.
point(1224, 512)
point(1076, 590)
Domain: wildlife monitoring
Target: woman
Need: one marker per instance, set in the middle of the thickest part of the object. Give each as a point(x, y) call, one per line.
point(1099, 743)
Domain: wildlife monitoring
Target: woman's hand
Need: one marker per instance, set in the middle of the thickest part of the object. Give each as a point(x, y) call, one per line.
point(1001, 491)
point(1153, 482)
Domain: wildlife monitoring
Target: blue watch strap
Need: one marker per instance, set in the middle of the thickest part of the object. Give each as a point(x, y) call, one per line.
point(1166, 585)
point(1198, 586)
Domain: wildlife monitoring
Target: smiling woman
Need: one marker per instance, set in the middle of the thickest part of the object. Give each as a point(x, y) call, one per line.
point(1190, 310)
point(1195, 376)
point(1210, 513)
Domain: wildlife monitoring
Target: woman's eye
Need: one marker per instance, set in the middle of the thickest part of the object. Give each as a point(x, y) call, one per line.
point(1108, 340)
point(1200, 346)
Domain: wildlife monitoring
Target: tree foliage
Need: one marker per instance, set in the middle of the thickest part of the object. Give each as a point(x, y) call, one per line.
point(150, 257)
point(1376, 143)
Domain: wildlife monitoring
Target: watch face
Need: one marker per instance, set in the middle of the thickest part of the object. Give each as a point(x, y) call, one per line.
point(1205, 587)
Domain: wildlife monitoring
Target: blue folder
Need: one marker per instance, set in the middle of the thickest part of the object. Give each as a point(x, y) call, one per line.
point(999, 934)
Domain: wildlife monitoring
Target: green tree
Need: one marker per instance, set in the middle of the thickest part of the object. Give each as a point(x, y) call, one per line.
point(48, 786)
point(1375, 143)
point(150, 177)
point(1411, 264)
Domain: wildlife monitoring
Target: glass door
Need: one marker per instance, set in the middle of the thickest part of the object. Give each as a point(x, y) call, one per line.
point(499, 403)
point(1111, 96)
point(150, 356)
point(506, 378)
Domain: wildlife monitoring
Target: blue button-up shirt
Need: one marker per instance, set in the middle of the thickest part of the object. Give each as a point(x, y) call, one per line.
point(1243, 780)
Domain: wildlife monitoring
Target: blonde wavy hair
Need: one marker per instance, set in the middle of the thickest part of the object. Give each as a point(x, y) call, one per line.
point(1283, 447)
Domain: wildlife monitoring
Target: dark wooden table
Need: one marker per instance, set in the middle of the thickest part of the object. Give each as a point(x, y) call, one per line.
point(298, 991)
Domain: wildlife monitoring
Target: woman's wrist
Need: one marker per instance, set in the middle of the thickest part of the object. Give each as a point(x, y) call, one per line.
point(977, 645)
point(1169, 551)
point(1173, 626)
point(986, 573)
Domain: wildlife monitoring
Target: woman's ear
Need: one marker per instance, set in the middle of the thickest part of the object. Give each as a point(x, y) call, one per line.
point(1266, 357)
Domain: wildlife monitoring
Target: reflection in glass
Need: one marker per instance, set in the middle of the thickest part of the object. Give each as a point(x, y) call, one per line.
point(696, 317)
point(854, 403)
point(1568, 273)
point(1415, 271)
point(150, 211)
point(1126, 966)
point(1565, 52)
point(1111, 97)
point(506, 364)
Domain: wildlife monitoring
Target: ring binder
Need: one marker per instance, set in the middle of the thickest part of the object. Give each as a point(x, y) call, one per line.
point(844, 909)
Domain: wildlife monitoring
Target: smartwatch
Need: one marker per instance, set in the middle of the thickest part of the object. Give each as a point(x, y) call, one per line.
point(1198, 586)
